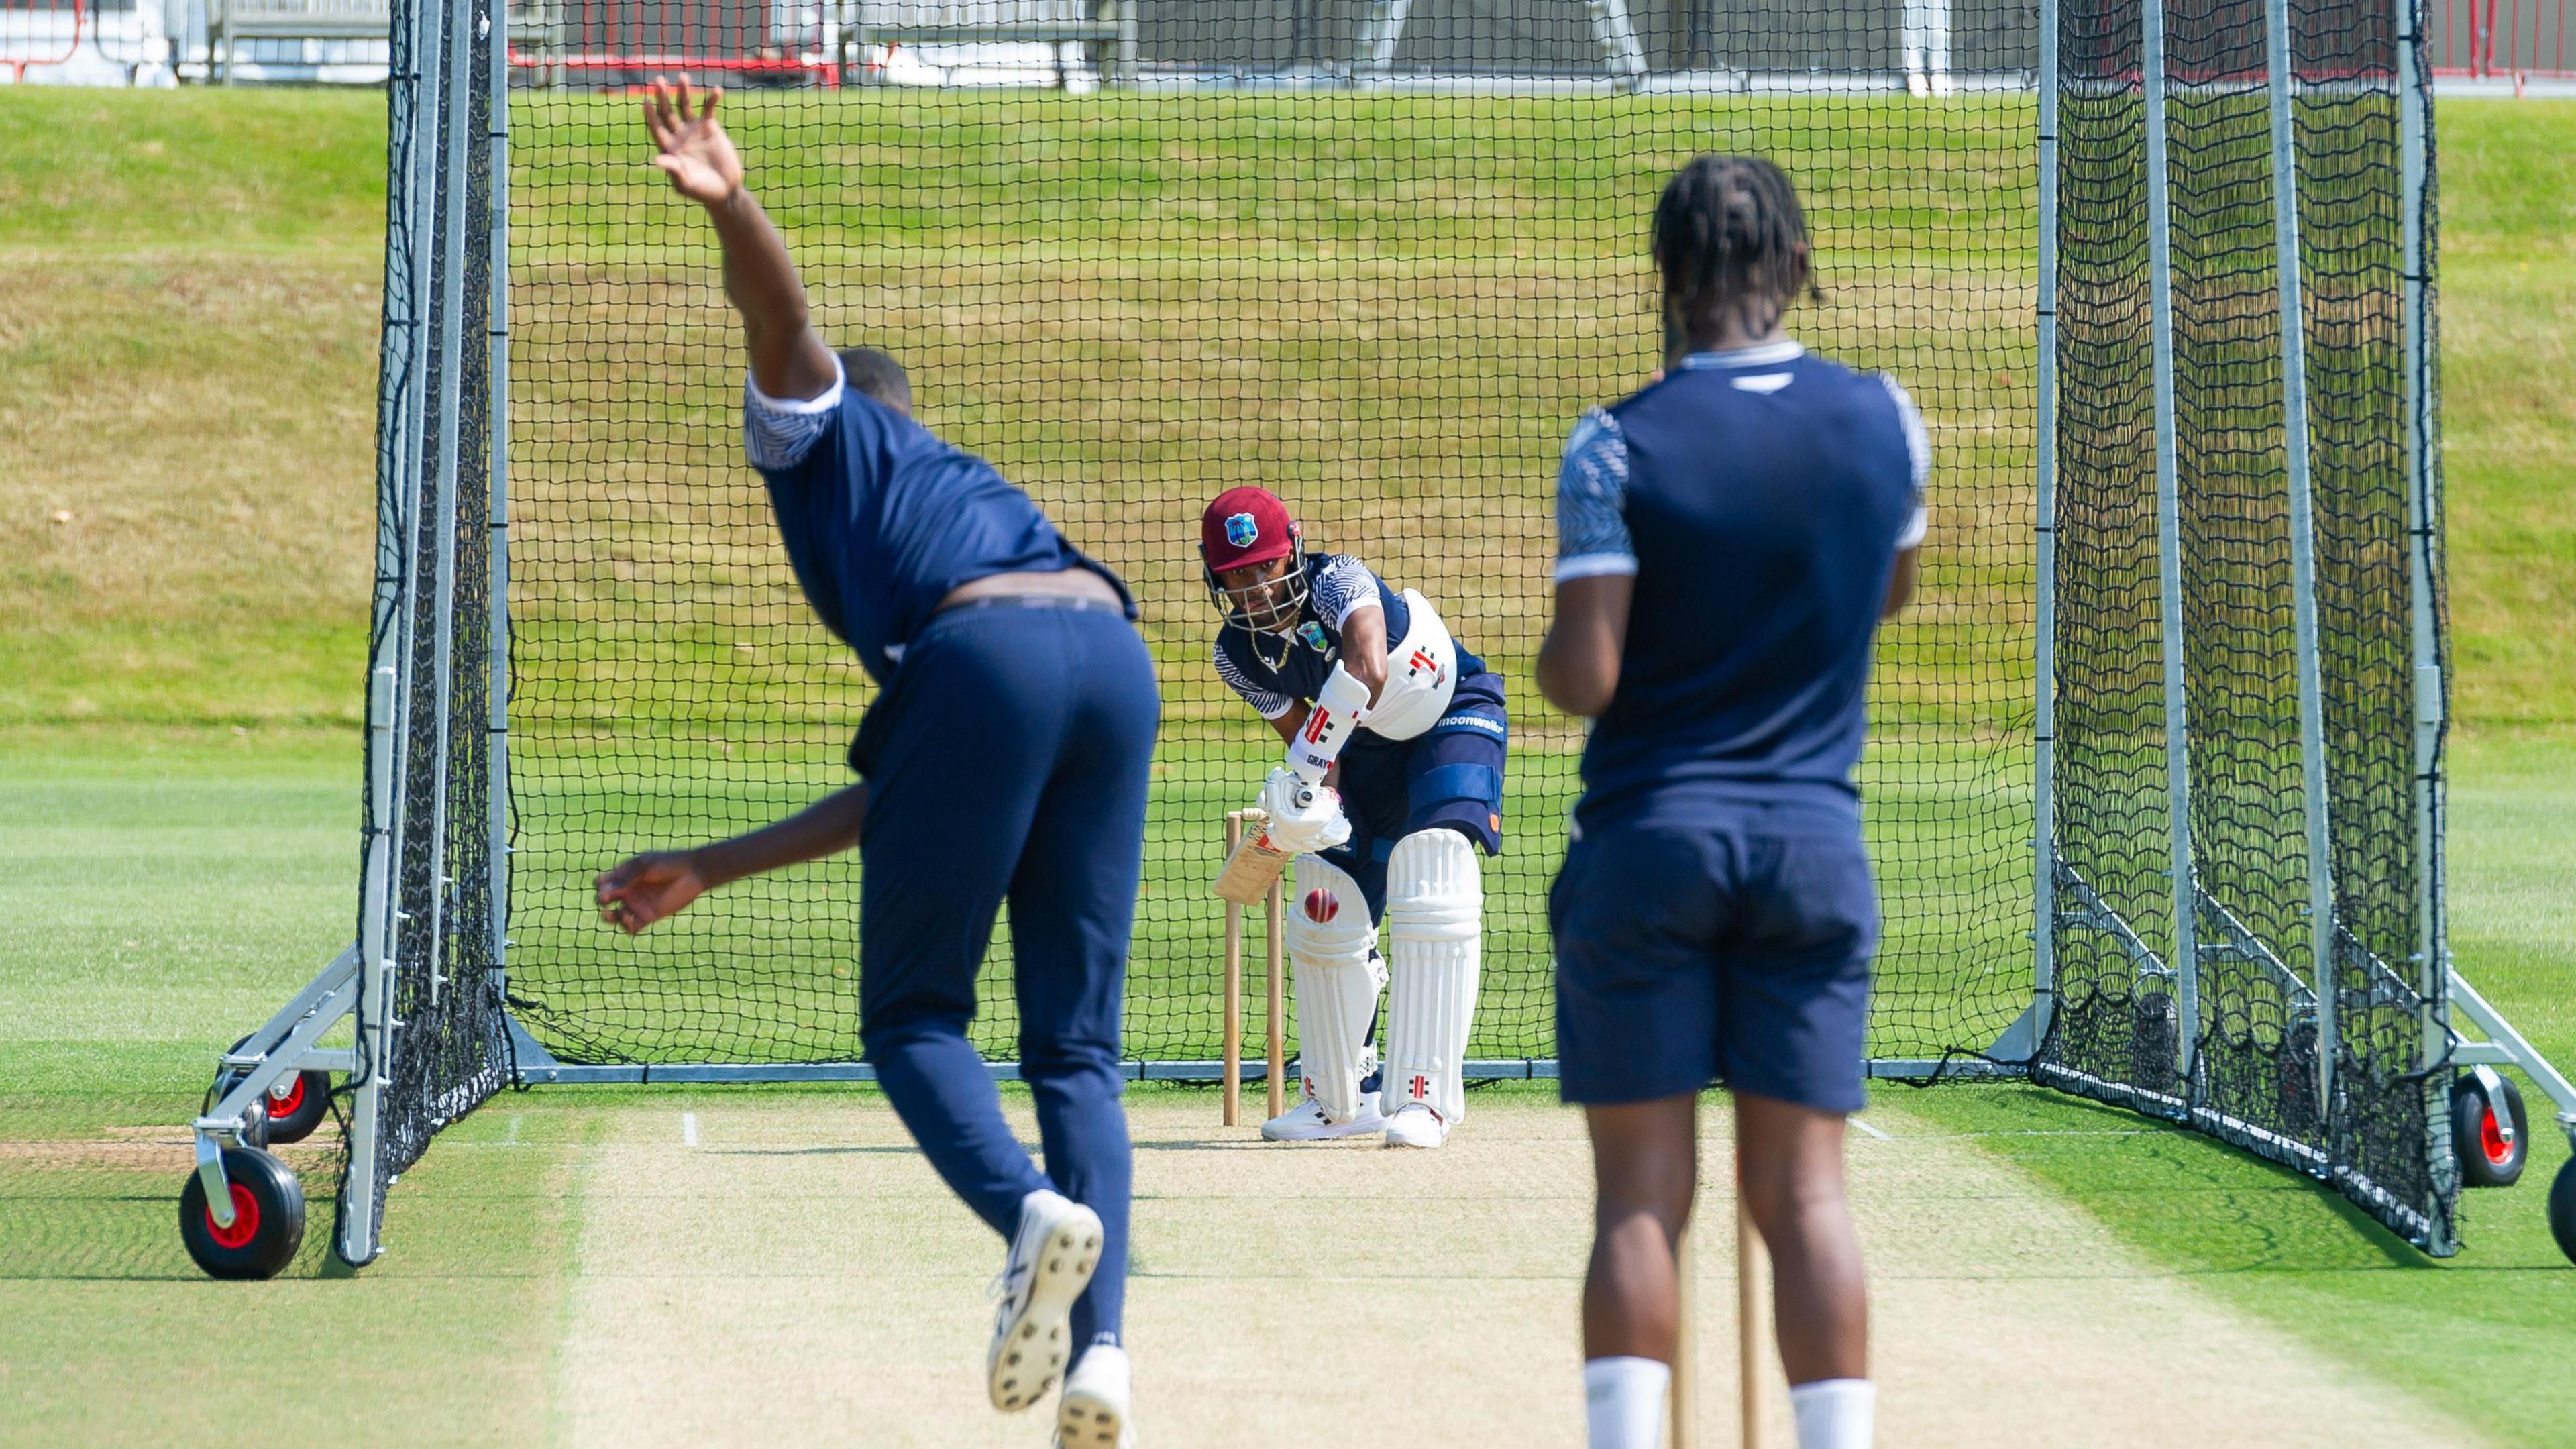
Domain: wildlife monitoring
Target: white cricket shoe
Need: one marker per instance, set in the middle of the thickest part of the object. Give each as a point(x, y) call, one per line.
point(1306, 1122)
point(1052, 1256)
point(1094, 1413)
point(1416, 1125)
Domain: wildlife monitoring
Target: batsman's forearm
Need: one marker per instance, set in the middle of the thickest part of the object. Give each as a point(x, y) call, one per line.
point(826, 827)
point(1364, 647)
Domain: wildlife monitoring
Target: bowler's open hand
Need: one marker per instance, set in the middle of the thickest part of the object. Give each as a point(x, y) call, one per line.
point(695, 151)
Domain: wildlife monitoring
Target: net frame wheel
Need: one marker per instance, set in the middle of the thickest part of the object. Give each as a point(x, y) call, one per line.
point(268, 1217)
point(289, 1111)
point(2562, 1208)
point(2484, 1105)
point(295, 1115)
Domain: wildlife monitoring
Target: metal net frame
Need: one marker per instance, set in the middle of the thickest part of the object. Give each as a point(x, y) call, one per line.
point(431, 1029)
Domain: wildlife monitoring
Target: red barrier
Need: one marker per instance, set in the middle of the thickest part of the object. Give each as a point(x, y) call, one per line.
point(2501, 39)
point(14, 10)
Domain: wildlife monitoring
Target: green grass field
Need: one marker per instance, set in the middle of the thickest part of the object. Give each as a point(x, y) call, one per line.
point(187, 303)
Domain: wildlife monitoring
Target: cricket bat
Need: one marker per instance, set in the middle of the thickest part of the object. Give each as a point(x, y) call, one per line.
point(1253, 866)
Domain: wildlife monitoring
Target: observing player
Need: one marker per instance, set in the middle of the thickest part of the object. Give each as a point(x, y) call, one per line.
point(1371, 693)
point(1729, 539)
point(1007, 757)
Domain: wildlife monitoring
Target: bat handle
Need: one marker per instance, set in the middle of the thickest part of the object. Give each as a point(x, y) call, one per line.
point(1305, 796)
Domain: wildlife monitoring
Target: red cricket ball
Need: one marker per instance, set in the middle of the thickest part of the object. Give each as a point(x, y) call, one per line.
point(1321, 905)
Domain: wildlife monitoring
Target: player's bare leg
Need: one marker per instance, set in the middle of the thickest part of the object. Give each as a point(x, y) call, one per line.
point(1790, 1162)
point(1645, 1167)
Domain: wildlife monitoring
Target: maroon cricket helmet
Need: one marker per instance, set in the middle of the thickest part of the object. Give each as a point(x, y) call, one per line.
point(1245, 526)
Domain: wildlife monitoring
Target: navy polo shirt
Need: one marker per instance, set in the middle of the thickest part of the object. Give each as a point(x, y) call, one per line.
point(1760, 498)
point(881, 519)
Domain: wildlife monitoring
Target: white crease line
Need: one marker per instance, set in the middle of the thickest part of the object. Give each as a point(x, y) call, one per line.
point(688, 1129)
point(512, 1136)
point(1863, 1124)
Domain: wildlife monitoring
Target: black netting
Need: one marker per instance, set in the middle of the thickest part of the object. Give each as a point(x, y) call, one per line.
point(2353, 219)
point(2254, 1045)
point(2118, 1014)
point(448, 1047)
point(2255, 1039)
point(1255, 258)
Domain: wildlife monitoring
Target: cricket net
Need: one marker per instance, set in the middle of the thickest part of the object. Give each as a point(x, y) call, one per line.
point(2247, 647)
point(2184, 569)
point(1378, 267)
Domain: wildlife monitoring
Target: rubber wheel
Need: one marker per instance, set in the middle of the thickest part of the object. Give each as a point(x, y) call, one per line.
point(268, 1218)
point(293, 1117)
point(2486, 1159)
point(2562, 1209)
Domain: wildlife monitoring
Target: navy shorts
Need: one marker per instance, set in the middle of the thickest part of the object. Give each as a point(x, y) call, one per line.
point(1450, 775)
point(1733, 947)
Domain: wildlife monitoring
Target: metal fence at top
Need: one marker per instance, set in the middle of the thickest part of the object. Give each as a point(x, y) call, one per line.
point(1927, 42)
point(1921, 44)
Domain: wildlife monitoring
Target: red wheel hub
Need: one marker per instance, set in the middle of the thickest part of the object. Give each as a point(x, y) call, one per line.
point(2491, 1139)
point(245, 1220)
point(285, 1106)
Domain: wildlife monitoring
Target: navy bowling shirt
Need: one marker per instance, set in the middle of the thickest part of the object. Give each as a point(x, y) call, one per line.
point(1760, 497)
point(1275, 672)
point(881, 519)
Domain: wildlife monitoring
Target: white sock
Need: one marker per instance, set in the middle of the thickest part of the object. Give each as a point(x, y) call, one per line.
point(1623, 1402)
point(1834, 1413)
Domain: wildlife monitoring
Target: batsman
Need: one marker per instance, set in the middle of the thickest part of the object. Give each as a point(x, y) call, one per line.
point(1393, 781)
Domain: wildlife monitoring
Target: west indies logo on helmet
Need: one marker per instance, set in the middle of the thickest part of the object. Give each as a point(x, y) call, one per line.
point(1249, 528)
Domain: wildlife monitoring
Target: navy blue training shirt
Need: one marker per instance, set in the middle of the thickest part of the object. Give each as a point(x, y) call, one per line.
point(1760, 498)
point(881, 519)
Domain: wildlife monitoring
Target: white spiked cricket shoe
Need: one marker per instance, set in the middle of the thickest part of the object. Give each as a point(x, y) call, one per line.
point(1052, 1256)
point(1095, 1411)
point(1306, 1122)
point(1416, 1125)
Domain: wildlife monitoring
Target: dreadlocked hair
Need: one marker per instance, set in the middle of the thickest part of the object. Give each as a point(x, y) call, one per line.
point(1729, 238)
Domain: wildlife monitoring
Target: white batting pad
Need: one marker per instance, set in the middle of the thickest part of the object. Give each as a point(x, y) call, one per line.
point(1337, 982)
point(1435, 905)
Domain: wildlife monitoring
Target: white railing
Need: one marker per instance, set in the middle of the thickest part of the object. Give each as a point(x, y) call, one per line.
point(233, 23)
